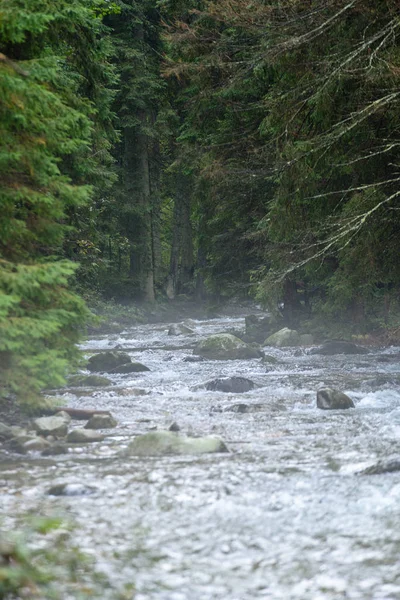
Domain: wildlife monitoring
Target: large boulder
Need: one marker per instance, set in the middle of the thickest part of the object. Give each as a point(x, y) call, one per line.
point(55, 426)
point(159, 443)
point(332, 347)
point(224, 346)
point(284, 337)
point(329, 399)
point(107, 361)
point(232, 385)
point(258, 327)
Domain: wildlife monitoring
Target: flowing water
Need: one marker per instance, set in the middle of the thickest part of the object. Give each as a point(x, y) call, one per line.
point(285, 515)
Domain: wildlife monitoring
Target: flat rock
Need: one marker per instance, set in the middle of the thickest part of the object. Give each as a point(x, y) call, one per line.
point(159, 443)
point(84, 436)
point(132, 367)
point(232, 385)
point(225, 346)
point(242, 408)
point(56, 426)
point(193, 359)
point(332, 347)
point(330, 399)
point(101, 422)
point(107, 361)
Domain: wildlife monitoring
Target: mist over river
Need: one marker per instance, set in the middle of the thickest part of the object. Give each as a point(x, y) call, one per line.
point(285, 515)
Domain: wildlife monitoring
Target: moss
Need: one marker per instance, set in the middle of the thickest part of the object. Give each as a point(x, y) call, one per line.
point(89, 381)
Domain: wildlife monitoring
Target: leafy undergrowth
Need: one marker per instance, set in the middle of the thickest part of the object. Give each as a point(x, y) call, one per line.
point(39, 560)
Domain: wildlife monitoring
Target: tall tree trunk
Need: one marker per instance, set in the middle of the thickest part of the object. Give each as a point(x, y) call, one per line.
point(139, 229)
point(155, 190)
point(181, 261)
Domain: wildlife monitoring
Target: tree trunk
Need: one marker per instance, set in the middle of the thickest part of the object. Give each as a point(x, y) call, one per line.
point(155, 189)
point(139, 227)
point(181, 259)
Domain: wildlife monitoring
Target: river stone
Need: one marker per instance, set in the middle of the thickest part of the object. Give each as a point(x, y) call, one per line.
point(174, 427)
point(268, 359)
point(329, 399)
point(71, 489)
point(6, 432)
point(56, 426)
point(84, 436)
point(233, 385)
point(180, 329)
point(89, 381)
point(17, 444)
point(101, 422)
point(37, 444)
point(55, 449)
point(332, 347)
point(132, 392)
point(193, 359)
point(283, 337)
point(242, 408)
point(132, 367)
point(107, 361)
point(159, 443)
point(224, 346)
point(384, 466)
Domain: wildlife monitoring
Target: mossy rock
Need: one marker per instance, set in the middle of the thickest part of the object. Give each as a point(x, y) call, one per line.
point(225, 346)
point(284, 337)
point(107, 361)
point(160, 443)
point(89, 381)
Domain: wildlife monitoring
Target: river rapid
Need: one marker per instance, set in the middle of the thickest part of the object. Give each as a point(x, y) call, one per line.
point(285, 515)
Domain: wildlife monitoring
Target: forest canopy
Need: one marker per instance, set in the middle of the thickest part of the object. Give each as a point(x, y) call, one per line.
point(156, 149)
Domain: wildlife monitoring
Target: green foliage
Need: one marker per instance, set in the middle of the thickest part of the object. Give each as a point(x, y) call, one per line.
point(292, 114)
point(54, 106)
point(40, 560)
point(40, 323)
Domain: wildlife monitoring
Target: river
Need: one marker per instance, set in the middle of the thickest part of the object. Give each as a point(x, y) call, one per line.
point(285, 515)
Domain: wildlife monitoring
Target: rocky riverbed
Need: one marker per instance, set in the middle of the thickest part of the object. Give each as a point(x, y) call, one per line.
point(284, 501)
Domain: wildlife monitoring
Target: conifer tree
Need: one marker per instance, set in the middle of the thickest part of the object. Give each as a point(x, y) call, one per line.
point(48, 129)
